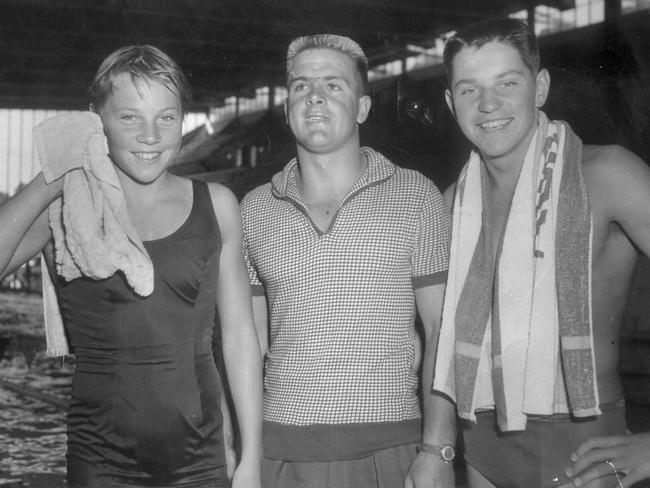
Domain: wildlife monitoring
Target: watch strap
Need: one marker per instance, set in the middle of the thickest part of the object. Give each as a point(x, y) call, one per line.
point(437, 450)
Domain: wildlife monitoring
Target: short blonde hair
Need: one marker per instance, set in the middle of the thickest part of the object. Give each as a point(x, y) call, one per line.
point(342, 44)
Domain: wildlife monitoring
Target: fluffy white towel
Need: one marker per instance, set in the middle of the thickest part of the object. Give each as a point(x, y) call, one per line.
point(93, 234)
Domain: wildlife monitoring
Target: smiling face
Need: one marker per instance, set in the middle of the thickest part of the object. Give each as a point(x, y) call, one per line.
point(142, 123)
point(324, 101)
point(495, 98)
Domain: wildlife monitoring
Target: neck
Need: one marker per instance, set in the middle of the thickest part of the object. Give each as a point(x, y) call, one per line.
point(322, 176)
point(503, 171)
point(150, 192)
point(502, 178)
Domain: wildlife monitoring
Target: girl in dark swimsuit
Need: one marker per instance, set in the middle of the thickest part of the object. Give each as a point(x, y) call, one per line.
point(145, 397)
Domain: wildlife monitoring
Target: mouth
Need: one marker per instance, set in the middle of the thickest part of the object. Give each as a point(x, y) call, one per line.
point(316, 118)
point(493, 125)
point(147, 156)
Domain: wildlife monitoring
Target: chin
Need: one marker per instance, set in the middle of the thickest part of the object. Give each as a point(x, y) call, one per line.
point(494, 151)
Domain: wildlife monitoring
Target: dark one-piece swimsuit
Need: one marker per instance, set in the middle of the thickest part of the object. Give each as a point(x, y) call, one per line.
point(145, 393)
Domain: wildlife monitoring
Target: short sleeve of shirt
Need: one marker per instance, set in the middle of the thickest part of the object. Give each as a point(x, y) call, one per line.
point(257, 289)
point(431, 251)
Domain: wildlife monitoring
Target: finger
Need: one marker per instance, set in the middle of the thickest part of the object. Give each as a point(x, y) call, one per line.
point(596, 471)
point(595, 457)
point(408, 483)
point(635, 476)
point(601, 442)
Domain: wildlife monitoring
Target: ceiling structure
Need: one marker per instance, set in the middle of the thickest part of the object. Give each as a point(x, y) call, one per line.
point(50, 49)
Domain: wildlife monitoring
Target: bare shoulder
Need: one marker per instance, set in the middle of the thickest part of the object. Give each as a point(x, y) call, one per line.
point(618, 181)
point(222, 194)
point(226, 206)
point(612, 161)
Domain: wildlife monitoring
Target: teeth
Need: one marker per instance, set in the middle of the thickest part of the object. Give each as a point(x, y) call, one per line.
point(147, 155)
point(495, 124)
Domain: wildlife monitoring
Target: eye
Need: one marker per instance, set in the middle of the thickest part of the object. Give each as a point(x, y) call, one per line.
point(299, 86)
point(334, 86)
point(168, 118)
point(127, 117)
point(509, 83)
point(469, 91)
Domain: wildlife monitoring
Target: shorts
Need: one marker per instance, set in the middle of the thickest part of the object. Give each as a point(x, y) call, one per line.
point(537, 456)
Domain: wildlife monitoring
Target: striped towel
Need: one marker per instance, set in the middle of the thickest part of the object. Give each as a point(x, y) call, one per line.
point(507, 323)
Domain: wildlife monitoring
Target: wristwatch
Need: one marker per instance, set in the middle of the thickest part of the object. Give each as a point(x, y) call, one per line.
point(446, 452)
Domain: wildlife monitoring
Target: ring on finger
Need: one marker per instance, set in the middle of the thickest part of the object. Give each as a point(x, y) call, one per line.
point(615, 471)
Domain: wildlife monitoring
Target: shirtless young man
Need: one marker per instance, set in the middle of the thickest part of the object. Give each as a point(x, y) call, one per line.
point(495, 92)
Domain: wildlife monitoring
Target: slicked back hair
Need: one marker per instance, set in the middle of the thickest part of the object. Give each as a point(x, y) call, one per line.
point(333, 42)
point(514, 32)
point(142, 63)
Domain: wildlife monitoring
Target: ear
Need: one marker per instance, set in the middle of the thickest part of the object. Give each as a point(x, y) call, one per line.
point(450, 102)
point(542, 85)
point(365, 102)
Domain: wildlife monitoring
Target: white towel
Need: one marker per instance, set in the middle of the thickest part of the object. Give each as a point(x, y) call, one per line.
point(92, 231)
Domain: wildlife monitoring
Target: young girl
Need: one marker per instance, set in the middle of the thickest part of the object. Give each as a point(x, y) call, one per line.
point(145, 397)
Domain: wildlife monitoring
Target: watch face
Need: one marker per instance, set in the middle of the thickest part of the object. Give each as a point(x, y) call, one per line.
point(447, 453)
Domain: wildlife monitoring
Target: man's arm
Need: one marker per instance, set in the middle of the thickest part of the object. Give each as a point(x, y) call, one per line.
point(260, 314)
point(24, 229)
point(239, 339)
point(439, 422)
point(619, 187)
point(439, 414)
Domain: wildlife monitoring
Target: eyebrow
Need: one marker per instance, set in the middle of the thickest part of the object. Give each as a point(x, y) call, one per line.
point(505, 74)
point(161, 110)
point(326, 78)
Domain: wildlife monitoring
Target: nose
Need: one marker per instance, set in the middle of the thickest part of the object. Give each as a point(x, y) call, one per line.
point(489, 101)
point(149, 133)
point(315, 96)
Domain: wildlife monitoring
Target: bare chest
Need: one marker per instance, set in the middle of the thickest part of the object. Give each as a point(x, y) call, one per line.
point(494, 220)
point(323, 211)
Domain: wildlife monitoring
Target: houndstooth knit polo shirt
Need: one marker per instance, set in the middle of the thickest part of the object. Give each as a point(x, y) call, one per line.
point(341, 302)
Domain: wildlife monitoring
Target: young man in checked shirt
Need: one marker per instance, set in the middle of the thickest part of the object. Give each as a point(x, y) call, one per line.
point(342, 247)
